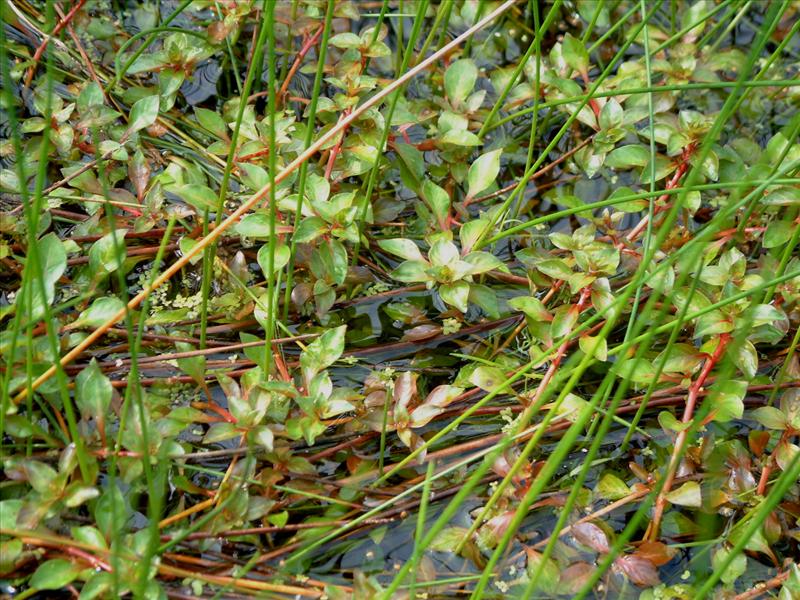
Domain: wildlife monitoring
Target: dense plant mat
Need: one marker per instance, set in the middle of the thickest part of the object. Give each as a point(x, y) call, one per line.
point(399, 299)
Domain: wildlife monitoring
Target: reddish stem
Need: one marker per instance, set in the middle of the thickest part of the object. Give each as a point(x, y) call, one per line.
point(336, 149)
point(43, 46)
point(761, 490)
point(671, 184)
point(694, 393)
point(296, 64)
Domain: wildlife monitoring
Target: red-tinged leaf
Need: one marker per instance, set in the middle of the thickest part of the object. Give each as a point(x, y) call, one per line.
point(657, 553)
point(421, 332)
point(443, 395)
point(574, 577)
point(638, 569)
point(494, 529)
point(139, 174)
point(758, 440)
point(501, 466)
point(591, 536)
point(687, 495)
point(405, 388)
point(422, 415)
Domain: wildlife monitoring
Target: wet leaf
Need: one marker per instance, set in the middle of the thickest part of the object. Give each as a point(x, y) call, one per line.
point(687, 494)
point(591, 536)
point(93, 392)
point(455, 294)
point(575, 54)
point(612, 487)
point(483, 172)
point(280, 258)
point(638, 569)
point(101, 310)
point(143, 113)
point(322, 352)
point(459, 79)
point(54, 574)
point(487, 378)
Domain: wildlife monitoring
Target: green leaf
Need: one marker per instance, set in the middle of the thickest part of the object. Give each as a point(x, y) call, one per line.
point(734, 570)
point(483, 172)
point(77, 494)
point(727, 400)
point(575, 54)
point(778, 233)
point(532, 307)
point(264, 437)
point(612, 487)
point(626, 157)
point(99, 312)
point(54, 574)
point(98, 586)
point(53, 260)
point(413, 159)
point(484, 261)
point(200, 196)
point(93, 392)
point(309, 229)
point(449, 539)
point(770, 417)
point(687, 495)
point(470, 233)
point(668, 422)
point(412, 271)
point(564, 319)
point(784, 196)
point(459, 79)
point(404, 248)
point(143, 113)
point(103, 253)
point(254, 225)
point(329, 262)
point(785, 453)
point(322, 352)
point(438, 200)
point(219, 432)
point(279, 260)
point(596, 346)
point(253, 176)
point(611, 114)
point(345, 40)
point(555, 268)
point(443, 253)
point(194, 366)
point(745, 357)
point(455, 294)
point(487, 378)
point(212, 122)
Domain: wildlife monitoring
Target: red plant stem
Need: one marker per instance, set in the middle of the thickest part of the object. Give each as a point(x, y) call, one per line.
point(634, 234)
point(81, 51)
point(680, 441)
point(592, 102)
point(43, 46)
point(336, 149)
point(761, 490)
point(763, 587)
point(562, 350)
point(296, 64)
